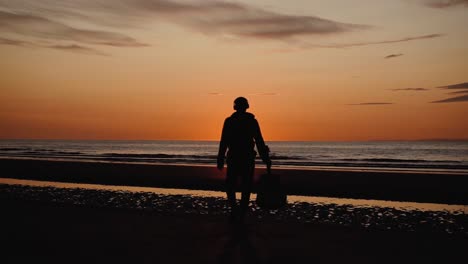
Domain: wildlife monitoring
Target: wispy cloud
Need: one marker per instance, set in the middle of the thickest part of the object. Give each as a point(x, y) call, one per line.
point(208, 17)
point(78, 49)
point(455, 86)
point(463, 98)
point(459, 92)
point(410, 89)
point(304, 45)
point(215, 94)
point(50, 19)
point(445, 3)
point(459, 86)
point(367, 43)
point(40, 27)
point(236, 19)
point(70, 47)
point(393, 56)
point(12, 42)
point(373, 103)
point(265, 94)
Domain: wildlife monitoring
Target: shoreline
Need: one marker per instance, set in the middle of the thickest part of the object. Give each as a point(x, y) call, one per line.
point(380, 185)
point(431, 170)
point(365, 217)
point(357, 203)
point(262, 166)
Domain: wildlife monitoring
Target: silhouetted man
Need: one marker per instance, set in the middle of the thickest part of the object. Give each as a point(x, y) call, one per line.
point(241, 133)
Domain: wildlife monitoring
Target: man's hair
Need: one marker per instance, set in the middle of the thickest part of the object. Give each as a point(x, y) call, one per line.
point(241, 103)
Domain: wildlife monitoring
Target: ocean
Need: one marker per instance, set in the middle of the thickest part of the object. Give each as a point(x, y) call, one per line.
point(405, 155)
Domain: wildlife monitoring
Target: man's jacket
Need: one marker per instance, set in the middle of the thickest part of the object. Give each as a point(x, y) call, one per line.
point(241, 133)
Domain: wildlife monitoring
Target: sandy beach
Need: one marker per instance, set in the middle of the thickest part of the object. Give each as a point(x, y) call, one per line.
point(76, 225)
point(51, 232)
point(433, 187)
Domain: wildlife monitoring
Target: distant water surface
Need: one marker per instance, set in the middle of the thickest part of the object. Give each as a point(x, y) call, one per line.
point(407, 155)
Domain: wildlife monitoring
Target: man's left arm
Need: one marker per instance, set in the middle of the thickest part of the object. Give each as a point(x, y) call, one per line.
point(262, 148)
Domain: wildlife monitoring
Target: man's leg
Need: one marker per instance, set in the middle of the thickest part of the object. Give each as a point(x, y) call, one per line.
point(247, 181)
point(231, 181)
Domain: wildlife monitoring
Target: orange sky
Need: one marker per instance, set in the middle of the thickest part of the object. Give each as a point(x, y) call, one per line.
point(166, 69)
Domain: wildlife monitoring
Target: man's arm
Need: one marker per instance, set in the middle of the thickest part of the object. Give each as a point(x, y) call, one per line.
point(222, 146)
point(263, 149)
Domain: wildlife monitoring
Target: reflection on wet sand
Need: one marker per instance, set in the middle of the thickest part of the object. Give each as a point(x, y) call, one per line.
point(291, 198)
point(369, 214)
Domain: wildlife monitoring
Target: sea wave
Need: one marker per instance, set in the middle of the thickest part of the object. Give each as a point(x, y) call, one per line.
point(157, 156)
point(400, 160)
point(417, 155)
point(211, 159)
point(130, 156)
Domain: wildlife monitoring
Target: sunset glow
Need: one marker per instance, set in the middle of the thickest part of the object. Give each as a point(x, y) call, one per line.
point(166, 69)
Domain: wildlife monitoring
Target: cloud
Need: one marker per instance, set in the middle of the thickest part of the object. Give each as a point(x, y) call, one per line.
point(79, 49)
point(347, 45)
point(459, 86)
point(455, 86)
point(70, 47)
point(393, 56)
point(445, 3)
point(232, 20)
point(463, 98)
point(367, 43)
point(215, 94)
point(265, 94)
point(239, 20)
point(410, 89)
point(208, 17)
point(373, 103)
point(12, 42)
point(40, 27)
point(459, 92)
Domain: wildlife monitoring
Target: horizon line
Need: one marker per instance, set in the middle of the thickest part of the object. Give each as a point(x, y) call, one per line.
point(216, 140)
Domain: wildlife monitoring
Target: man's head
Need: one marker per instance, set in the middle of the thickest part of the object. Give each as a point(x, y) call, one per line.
point(241, 104)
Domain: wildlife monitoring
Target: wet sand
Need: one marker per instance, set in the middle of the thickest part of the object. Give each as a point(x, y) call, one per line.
point(45, 231)
point(451, 220)
point(432, 187)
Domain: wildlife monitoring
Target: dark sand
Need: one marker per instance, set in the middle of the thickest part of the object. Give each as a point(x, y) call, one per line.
point(380, 185)
point(38, 232)
point(48, 228)
point(410, 217)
